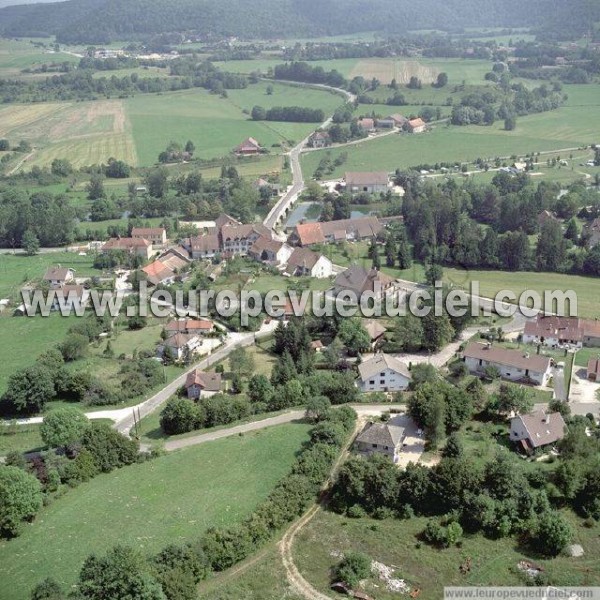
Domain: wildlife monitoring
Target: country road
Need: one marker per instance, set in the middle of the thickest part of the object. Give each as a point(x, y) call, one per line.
point(281, 207)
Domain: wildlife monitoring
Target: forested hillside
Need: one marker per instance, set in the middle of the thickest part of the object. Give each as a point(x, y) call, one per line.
point(99, 21)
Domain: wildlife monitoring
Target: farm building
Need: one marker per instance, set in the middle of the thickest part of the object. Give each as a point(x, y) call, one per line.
point(367, 182)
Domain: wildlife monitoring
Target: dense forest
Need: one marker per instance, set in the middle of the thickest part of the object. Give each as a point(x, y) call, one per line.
point(99, 21)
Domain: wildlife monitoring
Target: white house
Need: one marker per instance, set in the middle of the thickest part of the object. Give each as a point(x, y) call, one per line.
point(58, 276)
point(380, 438)
point(516, 365)
point(553, 331)
point(270, 251)
point(304, 262)
point(367, 182)
point(537, 429)
point(383, 373)
point(179, 342)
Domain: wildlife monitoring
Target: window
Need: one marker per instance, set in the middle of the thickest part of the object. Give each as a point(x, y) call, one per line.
point(374, 445)
point(382, 381)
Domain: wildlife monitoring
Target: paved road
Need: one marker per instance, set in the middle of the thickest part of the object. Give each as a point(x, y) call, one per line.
point(287, 200)
point(293, 415)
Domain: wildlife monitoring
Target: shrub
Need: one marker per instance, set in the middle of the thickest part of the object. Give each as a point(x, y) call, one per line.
point(108, 448)
point(20, 499)
point(63, 427)
point(180, 415)
point(354, 567)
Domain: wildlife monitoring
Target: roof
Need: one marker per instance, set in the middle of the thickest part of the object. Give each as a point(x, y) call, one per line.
point(316, 344)
point(374, 329)
point(263, 244)
point(158, 271)
point(310, 233)
point(144, 231)
point(507, 357)
point(382, 434)
point(189, 325)
point(358, 279)
point(70, 290)
point(303, 257)
point(208, 381)
point(233, 232)
point(225, 219)
point(249, 144)
point(367, 122)
point(125, 243)
point(57, 273)
point(366, 178)
point(565, 328)
point(379, 363)
point(320, 135)
point(414, 123)
point(398, 118)
point(179, 340)
point(205, 243)
point(363, 227)
point(542, 428)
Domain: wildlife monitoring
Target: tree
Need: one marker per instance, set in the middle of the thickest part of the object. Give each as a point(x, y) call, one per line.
point(29, 389)
point(108, 447)
point(354, 567)
point(61, 167)
point(513, 398)
point(260, 389)
point(4, 145)
point(20, 499)
point(454, 447)
point(63, 427)
point(95, 187)
point(157, 182)
point(404, 253)
point(437, 331)
point(121, 573)
point(442, 80)
point(269, 90)
point(354, 336)
point(74, 347)
point(572, 231)
point(551, 534)
point(510, 123)
point(551, 248)
point(180, 415)
point(433, 274)
point(48, 589)
point(30, 243)
point(190, 147)
point(258, 113)
point(317, 408)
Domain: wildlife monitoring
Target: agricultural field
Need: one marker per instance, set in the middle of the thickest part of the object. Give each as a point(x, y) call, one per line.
point(171, 499)
point(562, 129)
point(16, 55)
point(137, 129)
point(394, 543)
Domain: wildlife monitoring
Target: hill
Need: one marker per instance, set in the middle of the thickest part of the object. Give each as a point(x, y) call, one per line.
point(99, 21)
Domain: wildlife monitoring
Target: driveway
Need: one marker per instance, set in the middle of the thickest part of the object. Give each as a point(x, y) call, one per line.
point(413, 445)
point(582, 397)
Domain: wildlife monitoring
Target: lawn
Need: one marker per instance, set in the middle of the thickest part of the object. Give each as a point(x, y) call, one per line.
point(16, 55)
point(583, 356)
point(394, 542)
point(168, 500)
point(22, 438)
point(554, 130)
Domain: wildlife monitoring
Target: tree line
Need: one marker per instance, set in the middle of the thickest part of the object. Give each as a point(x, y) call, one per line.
point(295, 114)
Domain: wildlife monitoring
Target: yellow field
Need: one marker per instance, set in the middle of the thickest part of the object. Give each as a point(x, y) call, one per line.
point(400, 70)
point(86, 133)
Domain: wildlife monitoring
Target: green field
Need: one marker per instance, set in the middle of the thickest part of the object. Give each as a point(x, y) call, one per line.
point(394, 542)
point(555, 130)
point(168, 500)
point(21, 438)
point(16, 55)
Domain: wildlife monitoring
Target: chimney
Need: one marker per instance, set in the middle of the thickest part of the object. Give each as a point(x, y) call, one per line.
point(547, 418)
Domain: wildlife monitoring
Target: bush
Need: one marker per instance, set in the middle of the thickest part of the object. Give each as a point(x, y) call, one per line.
point(48, 589)
point(108, 448)
point(354, 567)
point(63, 427)
point(180, 415)
point(20, 499)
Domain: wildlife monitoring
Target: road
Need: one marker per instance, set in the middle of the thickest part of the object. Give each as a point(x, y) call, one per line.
point(280, 209)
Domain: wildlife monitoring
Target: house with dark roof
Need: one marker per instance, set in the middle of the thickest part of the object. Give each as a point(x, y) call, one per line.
point(383, 373)
point(515, 365)
point(199, 384)
point(537, 429)
point(139, 246)
point(375, 330)
point(204, 246)
point(342, 230)
point(303, 262)
point(319, 139)
point(554, 331)
point(270, 251)
point(380, 438)
point(58, 276)
point(248, 147)
point(370, 182)
point(358, 280)
point(191, 326)
point(399, 120)
point(367, 124)
point(236, 240)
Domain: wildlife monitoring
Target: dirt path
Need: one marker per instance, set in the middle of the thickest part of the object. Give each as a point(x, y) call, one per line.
point(298, 583)
point(21, 163)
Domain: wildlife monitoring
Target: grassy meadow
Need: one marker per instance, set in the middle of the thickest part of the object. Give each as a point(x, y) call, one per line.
point(171, 499)
point(394, 543)
point(16, 55)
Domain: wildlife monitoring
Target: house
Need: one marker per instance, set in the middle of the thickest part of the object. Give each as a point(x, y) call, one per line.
point(200, 383)
point(376, 182)
point(319, 139)
point(139, 247)
point(537, 429)
point(261, 183)
point(309, 234)
point(387, 123)
point(359, 280)
point(69, 297)
point(176, 252)
point(399, 120)
point(545, 216)
point(515, 365)
point(375, 330)
point(190, 326)
point(520, 166)
point(238, 239)
point(58, 276)
point(317, 346)
point(180, 344)
point(248, 147)
point(224, 219)
point(381, 438)
point(158, 272)
point(157, 236)
point(416, 126)
point(270, 251)
point(367, 124)
point(383, 373)
point(593, 369)
point(553, 331)
point(204, 246)
point(592, 232)
point(303, 262)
